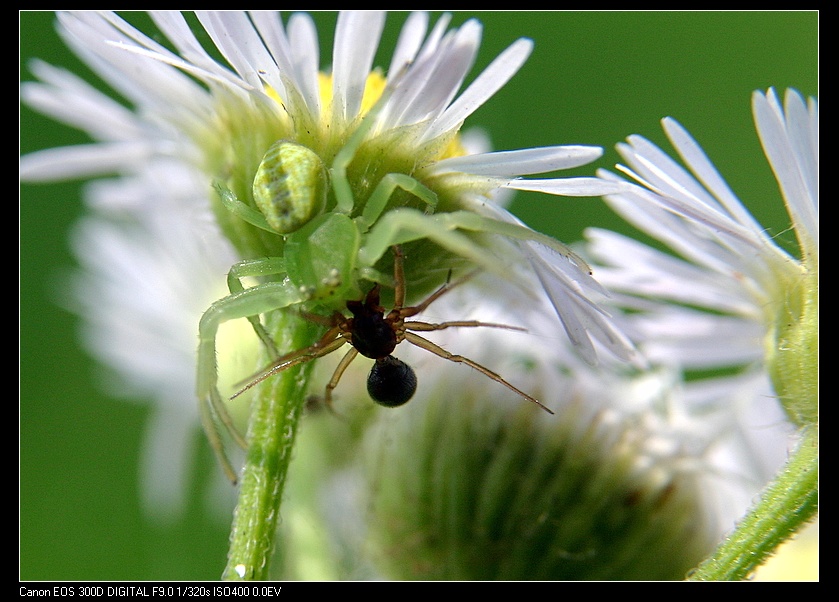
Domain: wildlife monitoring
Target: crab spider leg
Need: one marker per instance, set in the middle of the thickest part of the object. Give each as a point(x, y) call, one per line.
point(383, 191)
point(237, 207)
point(209, 420)
point(466, 220)
point(248, 302)
point(266, 266)
point(446, 229)
point(437, 350)
point(406, 312)
point(344, 198)
point(406, 224)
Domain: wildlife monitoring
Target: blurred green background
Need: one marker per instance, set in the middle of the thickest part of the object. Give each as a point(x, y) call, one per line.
point(593, 78)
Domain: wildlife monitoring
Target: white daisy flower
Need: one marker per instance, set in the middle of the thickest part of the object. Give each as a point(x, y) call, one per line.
point(735, 297)
point(731, 309)
point(196, 122)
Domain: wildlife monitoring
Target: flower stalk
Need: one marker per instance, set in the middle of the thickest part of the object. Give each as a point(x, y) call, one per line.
point(786, 506)
point(274, 421)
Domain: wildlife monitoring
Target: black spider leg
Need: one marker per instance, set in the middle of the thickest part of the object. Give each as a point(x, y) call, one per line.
point(424, 343)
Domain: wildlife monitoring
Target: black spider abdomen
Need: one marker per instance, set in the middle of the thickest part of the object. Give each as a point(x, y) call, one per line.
point(391, 382)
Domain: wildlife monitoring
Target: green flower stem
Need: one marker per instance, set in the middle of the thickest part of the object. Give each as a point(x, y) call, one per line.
point(787, 504)
point(275, 416)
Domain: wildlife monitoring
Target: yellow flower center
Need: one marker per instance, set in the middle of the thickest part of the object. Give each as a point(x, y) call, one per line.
point(249, 130)
point(373, 88)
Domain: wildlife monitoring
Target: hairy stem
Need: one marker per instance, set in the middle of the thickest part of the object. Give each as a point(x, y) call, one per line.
point(275, 416)
point(786, 505)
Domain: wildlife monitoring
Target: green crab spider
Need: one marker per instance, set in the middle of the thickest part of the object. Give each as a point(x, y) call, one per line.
point(326, 255)
point(319, 254)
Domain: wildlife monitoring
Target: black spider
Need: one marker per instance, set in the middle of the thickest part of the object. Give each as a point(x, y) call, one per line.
point(375, 334)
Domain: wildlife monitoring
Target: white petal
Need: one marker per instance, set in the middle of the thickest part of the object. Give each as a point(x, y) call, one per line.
point(567, 186)
point(102, 45)
point(459, 53)
point(73, 101)
point(568, 284)
point(409, 42)
point(652, 214)
point(520, 162)
point(631, 266)
point(81, 161)
point(177, 31)
point(305, 53)
point(582, 319)
point(493, 78)
point(357, 36)
point(672, 187)
point(432, 43)
point(800, 194)
point(434, 80)
point(701, 341)
point(696, 159)
point(167, 458)
point(270, 29)
point(235, 37)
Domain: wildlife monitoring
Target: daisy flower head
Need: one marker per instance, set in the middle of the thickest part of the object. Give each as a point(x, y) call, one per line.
point(732, 311)
point(300, 178)
point(734, 297)
point(224, 121)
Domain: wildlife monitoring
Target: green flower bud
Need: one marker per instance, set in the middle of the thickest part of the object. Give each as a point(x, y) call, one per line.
point(793, 347)
point(462, 489)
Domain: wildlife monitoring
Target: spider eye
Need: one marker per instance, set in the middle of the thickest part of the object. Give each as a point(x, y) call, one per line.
point(290, 186)
point(391, 382)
